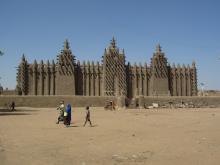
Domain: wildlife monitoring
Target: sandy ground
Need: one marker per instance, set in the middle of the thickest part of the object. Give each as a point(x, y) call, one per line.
point(152, 137)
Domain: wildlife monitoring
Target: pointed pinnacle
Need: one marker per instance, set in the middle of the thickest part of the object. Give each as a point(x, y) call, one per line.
point(193, 64)
point(158, 48)
point(23, 57)
point(48, 62)
point(66, 45)
point(113, 43)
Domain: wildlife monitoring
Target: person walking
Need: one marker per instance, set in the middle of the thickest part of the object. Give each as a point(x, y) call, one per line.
point(87, 116)
point(67, 117)
point(61, 115)
point(12, 106)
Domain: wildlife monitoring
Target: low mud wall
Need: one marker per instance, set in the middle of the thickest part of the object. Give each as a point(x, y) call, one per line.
point(53, 101)
point(195, 101)
point(81, 101)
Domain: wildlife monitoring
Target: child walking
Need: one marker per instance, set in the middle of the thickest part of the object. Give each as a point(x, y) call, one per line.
point(87, 116)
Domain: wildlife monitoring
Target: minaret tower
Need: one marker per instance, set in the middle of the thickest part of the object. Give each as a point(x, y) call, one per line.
point(23, 76)
point(159, 73)
point(114, 74)
point(65, 74)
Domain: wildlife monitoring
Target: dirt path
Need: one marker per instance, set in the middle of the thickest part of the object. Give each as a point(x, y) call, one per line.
point(154, 137)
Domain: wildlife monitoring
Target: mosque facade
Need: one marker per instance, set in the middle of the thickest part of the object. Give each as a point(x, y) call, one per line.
point(112, 77)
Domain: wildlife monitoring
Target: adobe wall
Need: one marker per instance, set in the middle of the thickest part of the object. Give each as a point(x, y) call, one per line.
point(53, 101)
point(207, 101)
point(98, 101)
point(8, 92)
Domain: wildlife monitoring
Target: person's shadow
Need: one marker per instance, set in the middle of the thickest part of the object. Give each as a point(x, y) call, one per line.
point(92, 125)
point(73, 126)
point(13, 113)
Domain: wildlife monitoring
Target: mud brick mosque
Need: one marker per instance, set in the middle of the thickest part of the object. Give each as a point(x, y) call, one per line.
point(111, 77)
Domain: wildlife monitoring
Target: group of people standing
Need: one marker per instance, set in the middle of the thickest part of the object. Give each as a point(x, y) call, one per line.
point(65, 114)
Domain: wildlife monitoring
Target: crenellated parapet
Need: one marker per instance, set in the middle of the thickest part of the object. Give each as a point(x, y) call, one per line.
point(91, 78)
point(139, 79)
point(183, 81)
point(41, 78)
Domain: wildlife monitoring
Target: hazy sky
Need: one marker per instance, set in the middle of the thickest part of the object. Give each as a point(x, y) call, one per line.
point(186, 29)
